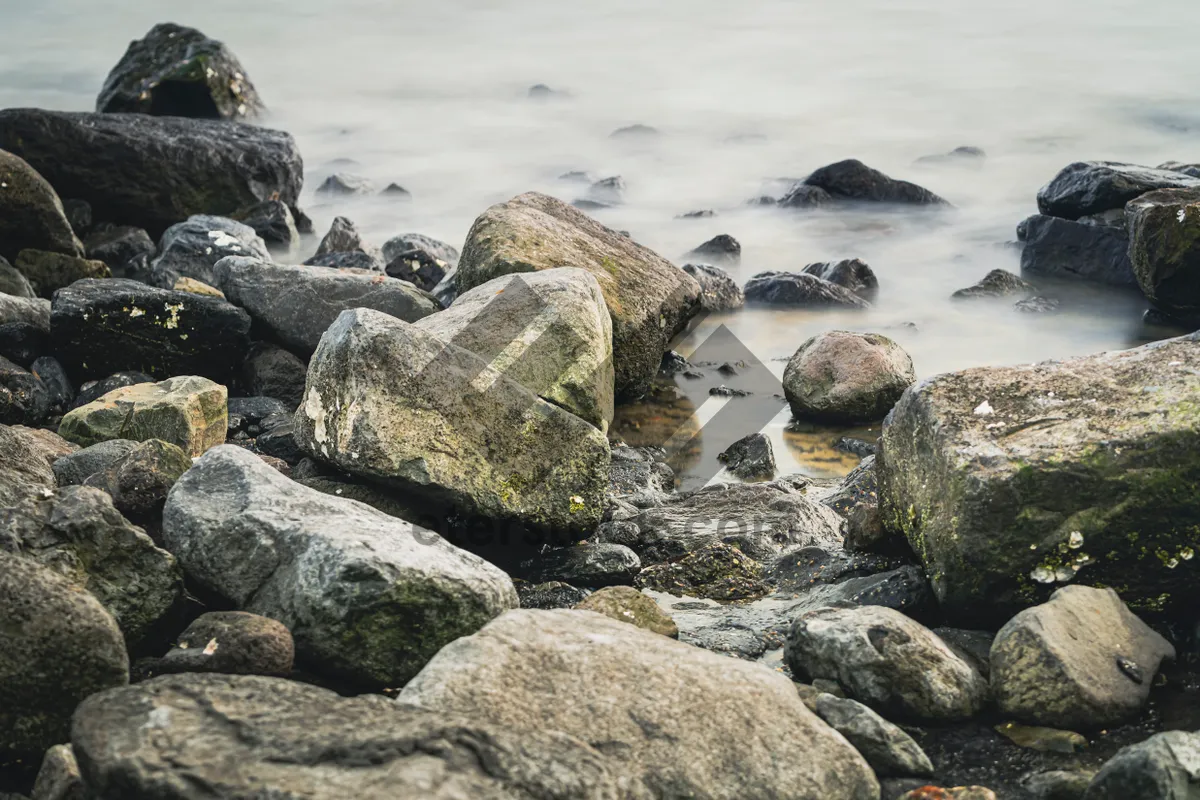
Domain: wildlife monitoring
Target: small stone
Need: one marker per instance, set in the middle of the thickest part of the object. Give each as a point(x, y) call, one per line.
point(194, 286)
point(722, 249)
point(590, 565)
point(750, 458)
point(626, 604)
point(1046, 740)
point(236, 643)
point(553, 594)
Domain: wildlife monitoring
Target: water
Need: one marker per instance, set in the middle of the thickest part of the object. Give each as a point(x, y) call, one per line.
point(433, 96)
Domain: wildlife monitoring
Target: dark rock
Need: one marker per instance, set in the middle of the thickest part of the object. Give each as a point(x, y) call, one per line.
point(396, 192)
point(849, 273)
point(1037, 305)
point(855, 181)
point(94, 390)
point(145, 170)
point(48, 272)
point(640, 472)
point(139, 481)
point(888, 749)
point(58, 386)
point(272, 221)
point(860, 486)
point(77, 467)
point(717, 571)
point(974, 647)
point(1089, 187)
point(707, 213)
point(416, 241)
point(799, 569)
point(723, 249)
point(637, 131)
point(12, 282)
point(549, 595)
point(590, 565)
point(233, 643)
point(795, 289)
point(350, 259)
point(586, 204)
point(997, 283)
point(271, 371)
point(79, 214)
point(725, 391)
point(103, 326)
point(127, 251)
point(855, 447)
point(841, 376)
point(750, 458)
point(343, 237)
point(23, 398)
point(23, 343)
point(801, 196)
point(418, 268)
point(765, 200)
point(1163, 250)
point(718, 291)
point(541, 91)
point(191, 249)
point(1068, 249)
point(31, 214)
point(24, 465)
point(959, 156)
point(344, 184)
point(248, 413)
point(280, 442)
point(1164, 767)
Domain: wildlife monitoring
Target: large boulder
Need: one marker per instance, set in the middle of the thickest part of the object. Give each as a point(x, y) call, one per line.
point(635, 693)
point(649, 298)
point(852, 180)
point(1045, 673)
point(179, 72)
point(801, 290)
point(1081, 250)
point(77, 533)
point(1164, 247)
point(24, 467)
point(1007, 480)
point(57, 646)
point(368, 597)
point(31, 215)
point(190, 737)
point(296, 304)
point(154, 171)
point(391, 402)
point(1092, 187)
point(549, 331)
point(190, 249)
point(1164, 767)
point(840, 376)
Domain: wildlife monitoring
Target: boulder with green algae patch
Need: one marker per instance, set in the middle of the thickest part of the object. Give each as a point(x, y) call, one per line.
point(31, 214)
point(1164, 246)
point(1010, 481)
point(717, 571)
point(48, 272)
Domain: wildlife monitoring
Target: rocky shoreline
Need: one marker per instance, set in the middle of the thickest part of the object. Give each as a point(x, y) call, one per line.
point(379, 524)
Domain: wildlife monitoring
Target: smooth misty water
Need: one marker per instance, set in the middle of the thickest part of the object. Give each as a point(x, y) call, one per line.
point(433, 96)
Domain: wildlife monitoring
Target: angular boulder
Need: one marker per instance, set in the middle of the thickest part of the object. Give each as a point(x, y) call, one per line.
point(587, 564)
point(853, 180)
point(1081, 250)
point(31, 214)
point(842, 376)
point(722, 249)
point(1164, 247)
point(1164, 767)
point(801, 290)
point(190, 249)
point(1092, 187)
point(887, 748)
point(367, 597)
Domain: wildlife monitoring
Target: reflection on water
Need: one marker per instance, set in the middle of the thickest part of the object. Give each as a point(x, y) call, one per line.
point(814, 448)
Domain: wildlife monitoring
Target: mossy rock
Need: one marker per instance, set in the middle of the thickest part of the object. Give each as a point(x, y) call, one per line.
point(48, 271)
point(31, 214)
point(627, 604)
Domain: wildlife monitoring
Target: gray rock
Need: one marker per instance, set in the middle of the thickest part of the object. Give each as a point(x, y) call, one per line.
point(420, 420)
point(58, 384)
point(59, 777)
point(251, 736)
point(272, 221)
point(800, 290)
point(959, 156)
point(23, 398)
point(126, 250)
point(31, 214)
point(1081, 660)
point(717, 571)
point(77, 467)
point(640, 474)
point(343, 237)
point(12, 282)
point(231, 642)
point(271, 371)
point(344, 184)
point(94, 390)
point(139, 481)
point(852, 180)
point(24, 466)
point(591, 565)
point(30, 311)
point(634, 693)
point(1162, 248)
point(840, 376)
point(722, 249)
point(888, 749)
point(417, 241)
point(347, 259)
point(1090, 187)
point(1066, 249)
point(1164, 767)
point(608, 191)
point(1058, 784)
point(366, 596)
point(626, 604)
point(750, 458)
point(296, 304)
point(1037, 305)
point(974, 647)
point(886, 660)
point(804, 196)
point(718, 291)
point(849, 273)
point(554, 594)
point(191, 249)
point(997, 283)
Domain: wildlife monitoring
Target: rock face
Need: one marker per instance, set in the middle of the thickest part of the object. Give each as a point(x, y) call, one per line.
point(24, 468)
point(634, 693)
point(1164, 247)
point(179, 72)
point(855, 181)
point(148, 171)
point(718, 291)
point(47, 272)
point(192, 248)
point(104, 326)
point(78, 534)
point(549, 331)
point(649, 298)
point(1006, 480)
point(997, 283)
point(296, 304)
point(396, 404)
point(231, 642)
point(884, 659)
point(626, 604)
point(57, 646)
point(31, 215)
point(797, 289)
point(1067, 249)
point(1090, 187)
point(189, 412)
point(841, 376)
point(288, 739)
point(367, 597)
point(887, 748)
point(1047, 671)
point(1164, 767)
point(849, 273)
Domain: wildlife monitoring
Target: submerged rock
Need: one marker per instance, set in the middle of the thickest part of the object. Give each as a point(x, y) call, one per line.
point(1090, 187)
point(191, 249)
point(1067, 249)
point(847, 377)
point(798, 289)
point(802, 196)
point(997, 283)
point(718, 291)
point(344, 184)
point(849, 273)
point(31, 214)
point(1164, 231)
point(855, 181)
point(722, 249)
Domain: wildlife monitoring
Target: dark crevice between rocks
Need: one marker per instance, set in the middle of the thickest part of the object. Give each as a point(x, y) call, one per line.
point(183, 99)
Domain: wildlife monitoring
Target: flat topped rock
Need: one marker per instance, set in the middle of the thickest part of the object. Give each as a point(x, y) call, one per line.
point(1091, 187)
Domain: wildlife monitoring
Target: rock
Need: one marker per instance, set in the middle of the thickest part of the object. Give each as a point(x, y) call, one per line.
point(145, 170)
point(997, 283)
point(138, 482)
point(904, 589)
point(343, 184)
point(353, 259)
point(48, 271)
point(796, 289)
point(23, 398)
point(750, 458)
point(608, 191)
point(649, 298)
point(94, 390)
point(179, 72)
point(1045, 672)
point(640, 475)
point(396, 192)
point(59, 777)
point(549, 331)
point(1164, 767)
point(24, 465)
point(126, 250)
point(888, 749)
point(250, 414)
point(31, 214)
point(1162, 249)
point(271, 371)
point(974, 647)
point(1090, 187)
point(1048, 473)
point(638, 131)
point(78, 534)
point(272, 221)
point(22, 343)
point(191, 249)
point(231, 642)
point(57, 646)
point(723, 249)
point(959, 156)
point(1037, 305)
point(799, 569)
point(416, 241)
point(287, 738)
point(954, 793)
point(804, 196)
point(554, 594)
point(103, 326)
point(75, 468)
point(717, 571)
point(280, 442)
point(368, 597)
point(626, 604)
point(854, 181)
point(718, 291)
point(857, 488)
point(417, 423)
point(630, 691)
point(840, 376)
point(589, 564)
point(1058, 784)
point(1068, 249)
point(79, 215)
point(849, 273)
point(12, 282)
point(418, 268)
point(296, 304)
point(193, 286)
point(58, 386)
point(887, 661)
point(1044, 740)
point(187, 411)
point(343, 237)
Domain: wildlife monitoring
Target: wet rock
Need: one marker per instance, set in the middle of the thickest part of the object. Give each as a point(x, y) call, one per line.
point(889, 750)
point(854, 446)
point(629, 688)
point(797, 289)
point(626, 604)
point(886, 660)
point(1046, 672)
point(48, 272)
point(231, 642)
point(189, 412)
point(191, 249)
point(718, 291)
point(34, 312)
point(1068, 249)
point(271, 371)
point(904, 589)
point(75, 468)
point(138, 481)
point(798, 569)
point(416, 241)
point(591, 565)
point(723, 249)
point(1090, 187)
point(853, 180)
point(296, 304)
point(77, 533)
point(23, 398)
point(144, 170)
point(649, 298)
point(849, 273)
point(418, 268)
point(31, 214)
point(24, 465)
point(974, 647)
point(12, 282)
point(280, 442)
point(59, 388)
point(126, 250)
point(343, 184)
point(1165, 766)
point(58, 645)
point(997, 283)
point(272, 221)
point(640, 475)
point(1163, 228)
point(1075, 472)
point(803, 196)
point(22, 343)
point(104, 326)
point(750, 458)
point(179, 72)
point(351, 259)
point(59, 777)
point(859, 487)
point(717, 571)
point(94, 390)
point(554, 594)
point(1046, 740)
point(842, 376)
point(1037, 305)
